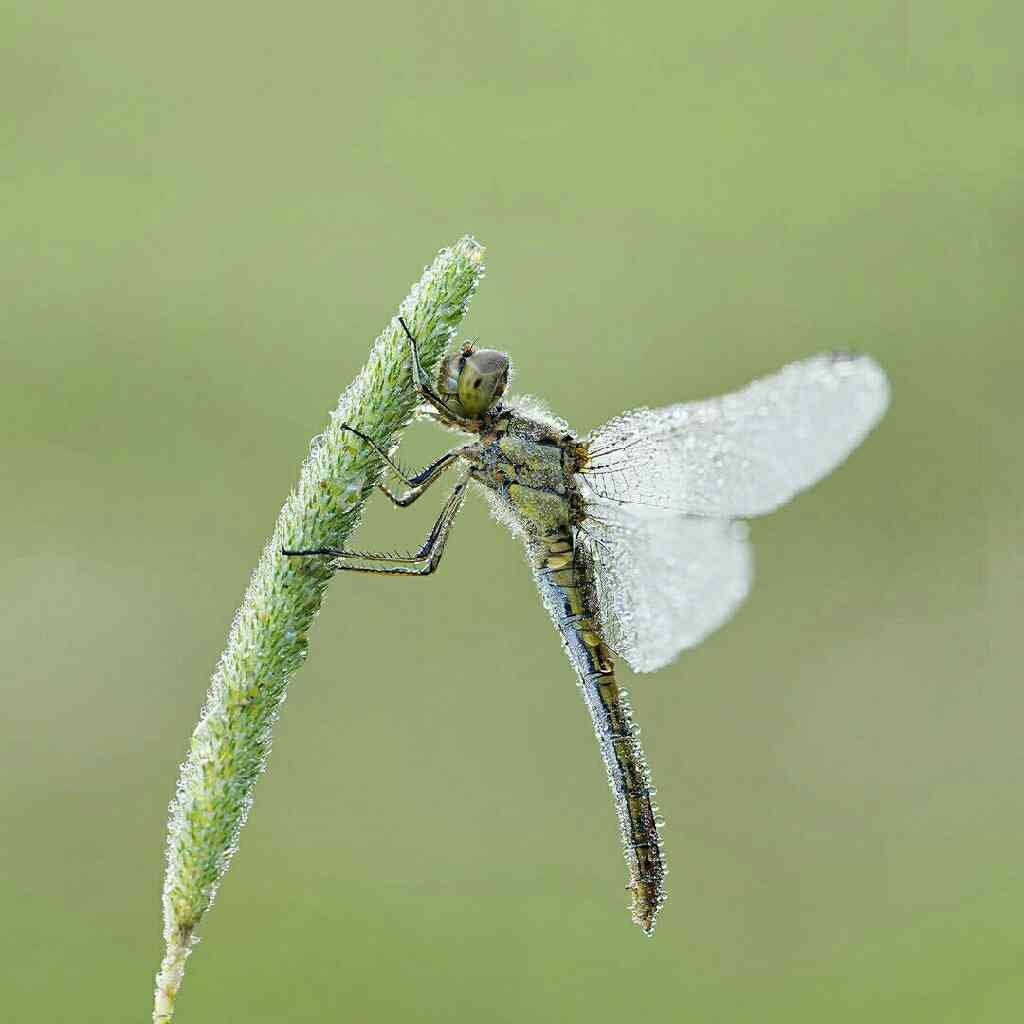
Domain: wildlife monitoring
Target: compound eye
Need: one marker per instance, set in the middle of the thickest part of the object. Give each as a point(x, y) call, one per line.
point(482, 380)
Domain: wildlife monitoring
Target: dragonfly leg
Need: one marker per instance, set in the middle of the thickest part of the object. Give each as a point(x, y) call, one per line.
point(390, 462)
point(422, 563)
point(420, 481)
point(424, 389)
point(417, 482)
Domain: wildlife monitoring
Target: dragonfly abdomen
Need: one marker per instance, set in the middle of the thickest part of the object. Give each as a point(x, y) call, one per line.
point(568, 596)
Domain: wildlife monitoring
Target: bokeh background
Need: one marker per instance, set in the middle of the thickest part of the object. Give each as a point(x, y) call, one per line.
point(209, 212)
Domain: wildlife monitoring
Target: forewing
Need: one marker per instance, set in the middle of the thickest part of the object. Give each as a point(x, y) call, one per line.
point(743, 454)
point(661, 581)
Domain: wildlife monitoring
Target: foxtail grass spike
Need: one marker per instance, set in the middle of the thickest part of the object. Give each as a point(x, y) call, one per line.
point(267, 640)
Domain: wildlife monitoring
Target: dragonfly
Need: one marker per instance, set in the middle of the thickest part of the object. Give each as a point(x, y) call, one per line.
point(635, 534)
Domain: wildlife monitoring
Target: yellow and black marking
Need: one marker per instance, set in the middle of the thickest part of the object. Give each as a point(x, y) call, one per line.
point(567, 590)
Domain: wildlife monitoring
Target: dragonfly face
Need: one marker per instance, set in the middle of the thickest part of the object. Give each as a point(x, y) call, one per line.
point(633, 533)
point(476, 377)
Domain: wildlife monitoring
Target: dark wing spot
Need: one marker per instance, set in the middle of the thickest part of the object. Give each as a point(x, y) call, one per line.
point(476, 383)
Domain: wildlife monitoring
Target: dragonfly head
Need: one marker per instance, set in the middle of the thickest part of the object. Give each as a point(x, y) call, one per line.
point(477, 377)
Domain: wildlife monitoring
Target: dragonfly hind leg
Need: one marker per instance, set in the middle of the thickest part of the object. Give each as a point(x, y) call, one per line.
point(422, 563)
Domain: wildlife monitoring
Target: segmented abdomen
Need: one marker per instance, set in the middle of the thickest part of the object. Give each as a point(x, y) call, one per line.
point(568, 593)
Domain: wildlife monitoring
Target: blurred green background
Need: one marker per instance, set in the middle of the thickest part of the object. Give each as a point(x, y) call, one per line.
point(209, 212)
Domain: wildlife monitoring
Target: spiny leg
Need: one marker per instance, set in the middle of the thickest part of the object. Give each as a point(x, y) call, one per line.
point(423, 387)
point(418, 482)
point(429, 553)
point(390, 462)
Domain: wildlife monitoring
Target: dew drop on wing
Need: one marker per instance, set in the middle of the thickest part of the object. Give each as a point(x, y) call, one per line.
point(745, 453)
point(665, 487)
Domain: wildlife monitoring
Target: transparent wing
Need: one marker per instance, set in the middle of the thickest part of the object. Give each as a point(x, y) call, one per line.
point(743, 454)
point(661, 581)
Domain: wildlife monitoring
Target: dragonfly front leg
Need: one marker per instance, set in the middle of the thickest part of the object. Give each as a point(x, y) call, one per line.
point(424, 389)
point(422, 563)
